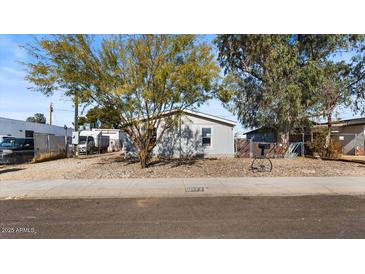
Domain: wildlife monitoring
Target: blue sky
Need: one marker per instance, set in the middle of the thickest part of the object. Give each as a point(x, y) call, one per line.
point(18, 102)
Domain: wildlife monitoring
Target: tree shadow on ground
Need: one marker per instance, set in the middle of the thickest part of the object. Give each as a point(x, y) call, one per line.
point(10, 170)
point(174, 163)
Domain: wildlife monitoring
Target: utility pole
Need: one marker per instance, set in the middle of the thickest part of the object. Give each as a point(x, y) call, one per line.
point(76, 124)
point(50, 113)
point(180, 155)
point(76, 118)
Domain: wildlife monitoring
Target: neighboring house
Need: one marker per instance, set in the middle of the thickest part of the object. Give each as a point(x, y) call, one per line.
point(261, 135)
point(350, 133)
point(196, 135)
point(22, 129)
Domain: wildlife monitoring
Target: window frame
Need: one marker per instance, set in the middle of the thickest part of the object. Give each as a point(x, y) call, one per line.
point(211, 137)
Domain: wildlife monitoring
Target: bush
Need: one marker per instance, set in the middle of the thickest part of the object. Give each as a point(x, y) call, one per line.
point(43, 157)
point(318, 147)
point(334, 150)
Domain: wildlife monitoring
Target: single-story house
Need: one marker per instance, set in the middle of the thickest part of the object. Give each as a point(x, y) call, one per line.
point(350, 133)
point(23, 129)
point(196, 135)
point(261, 134)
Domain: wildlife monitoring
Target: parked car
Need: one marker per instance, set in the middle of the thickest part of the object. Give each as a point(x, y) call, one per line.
point(3, 137)
point(16, 150)
point(86, 144)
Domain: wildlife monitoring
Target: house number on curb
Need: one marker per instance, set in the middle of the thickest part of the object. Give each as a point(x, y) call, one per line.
point(194, 189)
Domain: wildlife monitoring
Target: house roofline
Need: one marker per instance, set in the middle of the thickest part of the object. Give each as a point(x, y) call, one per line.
point(198, 114)
point(346, 122)
point(209, 116)
point(17, 120)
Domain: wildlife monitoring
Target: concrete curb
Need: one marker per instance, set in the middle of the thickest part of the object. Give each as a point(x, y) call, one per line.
point(182, 187)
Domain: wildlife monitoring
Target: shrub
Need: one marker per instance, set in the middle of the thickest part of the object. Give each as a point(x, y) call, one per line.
point(318, 146)
point(335, 149)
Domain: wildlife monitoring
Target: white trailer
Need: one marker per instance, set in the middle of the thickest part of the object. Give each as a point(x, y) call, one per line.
point(89, 141)
point(115, 138)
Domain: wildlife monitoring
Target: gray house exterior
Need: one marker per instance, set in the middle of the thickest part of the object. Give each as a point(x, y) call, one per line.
point(350, 133)
point(261, 135)
point(197, 135)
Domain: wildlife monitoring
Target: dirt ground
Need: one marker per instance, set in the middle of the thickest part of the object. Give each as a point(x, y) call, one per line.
point(113, 166)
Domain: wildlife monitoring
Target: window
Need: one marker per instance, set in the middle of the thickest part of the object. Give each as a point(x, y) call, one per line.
point(8, 142)
point(29, 134)
point(207, 136)
point(82, 140)
point(29, 143)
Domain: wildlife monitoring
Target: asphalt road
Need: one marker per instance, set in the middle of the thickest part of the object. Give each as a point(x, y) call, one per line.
point(215, 217)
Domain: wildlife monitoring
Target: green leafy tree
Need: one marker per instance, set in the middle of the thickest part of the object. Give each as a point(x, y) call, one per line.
point(340, 83)
point(357, 75)
point(37, 118)
point(56, 67)
point(273, 80)
point(142, 77)
point(107, 116)
point(263, 84)
point(332, 92)
point(81, 120)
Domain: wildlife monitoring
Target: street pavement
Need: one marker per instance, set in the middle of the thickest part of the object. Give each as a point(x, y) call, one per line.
point(186, 217)
point(182, 187)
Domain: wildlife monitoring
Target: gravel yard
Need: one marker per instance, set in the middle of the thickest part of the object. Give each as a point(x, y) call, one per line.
point(112, 166)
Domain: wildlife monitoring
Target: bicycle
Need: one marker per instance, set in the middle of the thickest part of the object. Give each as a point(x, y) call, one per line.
point(262, 163)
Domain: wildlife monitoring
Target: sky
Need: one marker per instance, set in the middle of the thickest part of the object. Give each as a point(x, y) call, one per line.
point(18, 102)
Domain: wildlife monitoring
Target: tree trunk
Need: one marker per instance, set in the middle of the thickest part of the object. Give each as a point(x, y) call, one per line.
point(144, 157)
point(283, 137)
point(143, 162)
point(328, 134)
point(283, 142)
point(329, 129)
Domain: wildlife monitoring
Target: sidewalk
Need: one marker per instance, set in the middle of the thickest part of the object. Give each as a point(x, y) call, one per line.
point(182, 187)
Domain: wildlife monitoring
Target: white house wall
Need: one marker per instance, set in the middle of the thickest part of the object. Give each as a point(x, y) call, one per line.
point(17, 128)
point(191, 139)
point(222, 144)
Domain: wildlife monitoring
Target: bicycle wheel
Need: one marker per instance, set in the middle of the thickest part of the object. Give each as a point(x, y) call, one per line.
point(261, 164)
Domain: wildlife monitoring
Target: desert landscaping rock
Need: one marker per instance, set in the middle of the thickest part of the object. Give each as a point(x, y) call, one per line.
point(114, 166)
